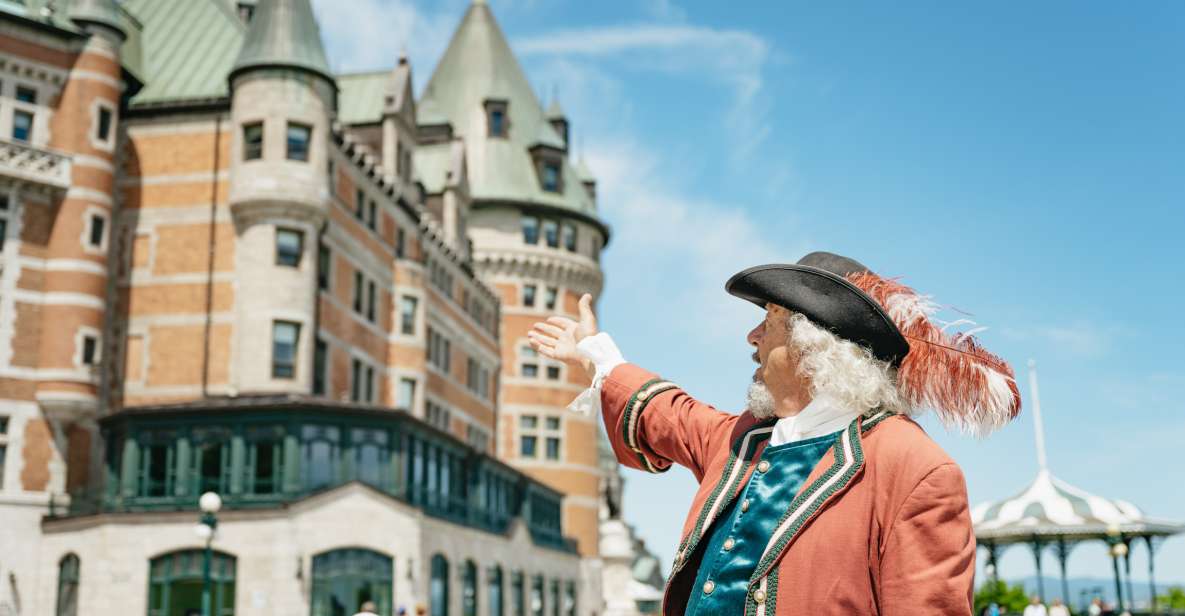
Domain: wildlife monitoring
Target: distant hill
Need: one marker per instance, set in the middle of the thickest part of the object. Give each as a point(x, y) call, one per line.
point(1089, 587)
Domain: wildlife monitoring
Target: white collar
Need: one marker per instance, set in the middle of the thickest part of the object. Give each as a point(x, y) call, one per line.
point(823, 415)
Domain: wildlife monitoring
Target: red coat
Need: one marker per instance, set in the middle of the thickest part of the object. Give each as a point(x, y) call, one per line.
point(881, 525)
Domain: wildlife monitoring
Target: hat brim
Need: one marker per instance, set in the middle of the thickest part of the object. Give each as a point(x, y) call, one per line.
point(827, 300)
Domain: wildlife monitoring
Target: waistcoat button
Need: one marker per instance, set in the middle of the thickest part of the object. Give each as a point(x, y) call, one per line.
point(759, 596)
point(709, 586)
point(745, 505)
point(763, 466)
point(728, 543)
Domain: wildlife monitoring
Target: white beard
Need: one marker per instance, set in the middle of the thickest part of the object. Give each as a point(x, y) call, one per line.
point(759, 401)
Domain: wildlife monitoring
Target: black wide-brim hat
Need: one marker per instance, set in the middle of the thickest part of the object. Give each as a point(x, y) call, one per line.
point(817, 286)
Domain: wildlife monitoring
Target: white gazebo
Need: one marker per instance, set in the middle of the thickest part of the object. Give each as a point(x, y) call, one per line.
point(1051, 514)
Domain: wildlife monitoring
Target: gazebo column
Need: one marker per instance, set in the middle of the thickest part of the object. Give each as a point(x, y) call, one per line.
point(1063, 554)
point(1151, 569)
point(1127, 571)
point(993, 554)
point(1037, 545)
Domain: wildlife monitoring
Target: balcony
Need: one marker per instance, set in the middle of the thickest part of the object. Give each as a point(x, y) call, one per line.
point(25, 163)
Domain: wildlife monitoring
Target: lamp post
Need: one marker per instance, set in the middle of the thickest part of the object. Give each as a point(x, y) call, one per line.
point(1118, 550)
point(209, 503)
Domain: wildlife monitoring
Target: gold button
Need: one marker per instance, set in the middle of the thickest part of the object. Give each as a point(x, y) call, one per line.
point(745, 505)
point(728, 543)
point(679, 557)
point(709, 586)
point(764, 466)
point(759, 596)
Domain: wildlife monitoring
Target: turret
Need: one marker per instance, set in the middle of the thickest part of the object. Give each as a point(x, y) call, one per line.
point(283, 99)
point(399, 124)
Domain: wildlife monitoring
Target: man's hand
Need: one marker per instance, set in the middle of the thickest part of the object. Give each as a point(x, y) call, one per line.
point(558, 336)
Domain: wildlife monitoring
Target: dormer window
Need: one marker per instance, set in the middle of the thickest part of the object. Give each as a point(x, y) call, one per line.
point(551, 176)
point(497, 118)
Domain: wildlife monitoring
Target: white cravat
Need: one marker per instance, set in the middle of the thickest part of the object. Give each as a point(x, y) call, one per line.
point(821, 416)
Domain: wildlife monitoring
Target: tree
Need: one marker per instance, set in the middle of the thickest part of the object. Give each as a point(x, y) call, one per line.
point(1009, 598)
point(1175, 599)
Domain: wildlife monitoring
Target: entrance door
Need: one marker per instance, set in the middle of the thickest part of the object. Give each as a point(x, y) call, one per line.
point(345, 579)
point(175, 584)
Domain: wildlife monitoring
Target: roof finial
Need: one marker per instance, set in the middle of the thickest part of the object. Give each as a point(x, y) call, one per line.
point(403, 53)
point(1038, 426)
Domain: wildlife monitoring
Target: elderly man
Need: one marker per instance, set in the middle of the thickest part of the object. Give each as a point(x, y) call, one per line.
point(822, 497)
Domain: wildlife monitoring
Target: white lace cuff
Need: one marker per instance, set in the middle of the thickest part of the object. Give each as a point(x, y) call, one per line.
point(605, 356)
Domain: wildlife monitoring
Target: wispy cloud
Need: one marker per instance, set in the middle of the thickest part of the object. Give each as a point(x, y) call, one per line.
point(735, 60)
point(372, 33)
point(1079, 338)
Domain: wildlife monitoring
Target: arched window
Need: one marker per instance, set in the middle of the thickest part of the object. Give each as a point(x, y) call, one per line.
point(494, 585)
point(438, 586)
point(537, 595)
point(345, 579)
point(518, 595)
point(67, 586)
point(555, 598)
point(175, 584)
point(469, 589)
point(570, 598)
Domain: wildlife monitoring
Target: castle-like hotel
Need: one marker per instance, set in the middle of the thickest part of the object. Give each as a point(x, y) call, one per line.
point(225, 268)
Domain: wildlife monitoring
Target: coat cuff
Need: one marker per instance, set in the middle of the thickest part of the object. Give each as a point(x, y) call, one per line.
point(605, 356)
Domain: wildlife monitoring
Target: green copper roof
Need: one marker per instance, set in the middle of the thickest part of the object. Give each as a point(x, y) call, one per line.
point(283, 33)
point(104, 12)
point(477, 67)
point(360, 97)
point(188, 47)
point(554, 111)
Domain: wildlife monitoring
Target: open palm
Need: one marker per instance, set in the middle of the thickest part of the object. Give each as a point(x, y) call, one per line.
point(558, 336)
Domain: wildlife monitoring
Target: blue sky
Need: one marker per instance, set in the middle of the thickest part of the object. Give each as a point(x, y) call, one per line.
point(1024, 164)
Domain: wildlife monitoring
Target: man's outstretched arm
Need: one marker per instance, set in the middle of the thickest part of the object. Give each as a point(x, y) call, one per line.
point(651, 423)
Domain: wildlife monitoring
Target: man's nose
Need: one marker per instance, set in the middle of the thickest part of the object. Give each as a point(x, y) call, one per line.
point(755, 335)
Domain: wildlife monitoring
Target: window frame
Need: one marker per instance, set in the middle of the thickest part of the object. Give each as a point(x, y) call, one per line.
point(281, 256)
point(308, 141)
point(292, 366)
point(253, 150)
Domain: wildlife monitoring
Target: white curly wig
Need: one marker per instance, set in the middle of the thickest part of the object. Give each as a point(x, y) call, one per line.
point(836, 368)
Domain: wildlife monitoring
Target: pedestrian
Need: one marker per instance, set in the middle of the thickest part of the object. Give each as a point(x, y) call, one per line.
point(368, 609)
point(1096, 607)
point(1035, 607)
point(1057, 608)
point(845, 357)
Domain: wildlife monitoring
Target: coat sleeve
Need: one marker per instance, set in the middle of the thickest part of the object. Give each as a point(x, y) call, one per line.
point(928, 564)
point(653, 423)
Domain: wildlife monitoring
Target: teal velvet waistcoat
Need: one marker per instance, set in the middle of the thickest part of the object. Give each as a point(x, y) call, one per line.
point(739, 535)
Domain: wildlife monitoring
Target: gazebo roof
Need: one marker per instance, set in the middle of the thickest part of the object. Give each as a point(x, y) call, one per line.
point(1050, 509)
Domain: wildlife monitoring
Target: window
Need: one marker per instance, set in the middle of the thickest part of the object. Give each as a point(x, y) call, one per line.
point(90, 350)
point(26, 95)
point(175, 583)
point(551, 176)
point(284, 339)
point(497, 119)
point(555, 598)
point(359, 204)
point(372, 456)
point(3, 446)
point(103, 127)
point(528, 421)
point(324, 267)
point(494, 590)
point(370, 301)
point(407, 314)
point(264, 473)
point(157, 465)
point(320, 448)
point(529, 368)
point(438, 415)
point(528, 443)
point(253, 141)
point(210, 461)
point(549, 297)
point(518, 603)
point(528, 427)
point(551, 233)
point(289, 247)
point(407, 394)
point(529, 295)
point(568, 235)
point(553, 448)
point(530, 230)
point(96, 230)
point(537, 596)
point(22, 126)
point(346, 578)
point(361, 381)
point(358, 280)
point(67, 603)
point(298, 141)
point(553, 373)
point(439, 351)
point(477, 438)
point(469, 589)
point(570, 598)
point(438, 586)
point(372, 215)
point(320, 367)
point(400, 243)
point(551, 434)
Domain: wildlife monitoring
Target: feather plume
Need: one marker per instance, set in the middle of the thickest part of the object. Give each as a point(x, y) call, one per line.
point(951, 374)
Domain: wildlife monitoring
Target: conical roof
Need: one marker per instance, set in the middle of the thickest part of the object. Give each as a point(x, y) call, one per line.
point(479, 67)
point(283, 33)
point(554, 110)
point(1050, 507)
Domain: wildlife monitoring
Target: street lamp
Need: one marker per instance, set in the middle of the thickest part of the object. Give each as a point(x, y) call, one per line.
point(1118, 550)
point(209, 503)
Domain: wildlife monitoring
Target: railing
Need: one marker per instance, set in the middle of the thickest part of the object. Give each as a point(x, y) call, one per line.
point(22, 161)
